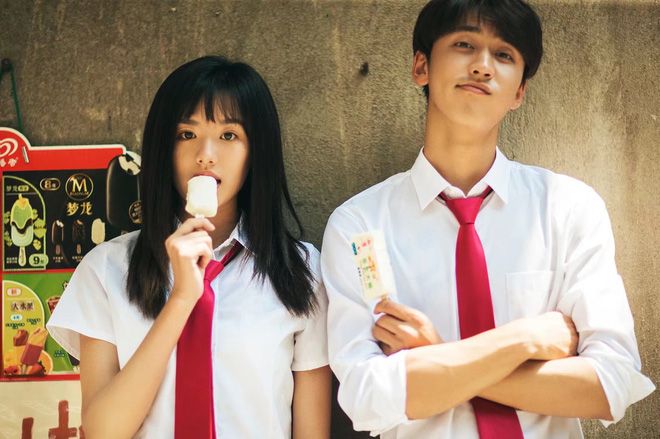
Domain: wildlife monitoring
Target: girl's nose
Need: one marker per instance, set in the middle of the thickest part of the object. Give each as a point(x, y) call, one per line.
point(206, 155)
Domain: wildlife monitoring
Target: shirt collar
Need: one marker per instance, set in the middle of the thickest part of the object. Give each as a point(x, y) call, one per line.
point(238, 234)
point(429, 183)
point(497, 176)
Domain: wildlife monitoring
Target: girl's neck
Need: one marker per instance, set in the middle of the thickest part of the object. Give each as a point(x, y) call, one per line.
point(225, 221)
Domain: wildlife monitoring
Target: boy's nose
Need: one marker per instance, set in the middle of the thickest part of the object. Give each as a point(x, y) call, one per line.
point(482, 66)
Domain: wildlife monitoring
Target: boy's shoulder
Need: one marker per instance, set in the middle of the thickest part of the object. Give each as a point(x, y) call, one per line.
point(543, 180)
point(374, 196)
point(564, 196)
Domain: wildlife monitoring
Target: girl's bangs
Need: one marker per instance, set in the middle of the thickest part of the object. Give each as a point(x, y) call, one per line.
point(218, 105)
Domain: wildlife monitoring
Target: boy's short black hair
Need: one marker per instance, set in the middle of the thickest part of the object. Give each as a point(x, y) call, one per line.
point(513, 20)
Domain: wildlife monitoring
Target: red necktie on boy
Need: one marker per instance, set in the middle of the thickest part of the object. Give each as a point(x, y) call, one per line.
point(475, 310)
point(194, 414)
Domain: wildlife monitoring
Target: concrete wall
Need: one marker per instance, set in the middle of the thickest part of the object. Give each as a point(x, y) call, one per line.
point(87, 71)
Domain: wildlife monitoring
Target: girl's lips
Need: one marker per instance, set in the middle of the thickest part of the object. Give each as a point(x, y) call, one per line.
point(209, 174)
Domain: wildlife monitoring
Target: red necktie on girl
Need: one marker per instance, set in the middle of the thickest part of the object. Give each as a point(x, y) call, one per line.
point(475, 311)
point(194, 417)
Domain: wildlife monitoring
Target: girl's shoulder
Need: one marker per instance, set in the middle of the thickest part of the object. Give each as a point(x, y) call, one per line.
point(110, 258)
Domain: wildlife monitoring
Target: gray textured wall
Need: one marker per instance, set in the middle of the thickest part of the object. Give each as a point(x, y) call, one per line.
point(87, 71)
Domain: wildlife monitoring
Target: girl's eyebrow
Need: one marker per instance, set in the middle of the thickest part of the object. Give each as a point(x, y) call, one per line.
point(231, 121)
point(189, 122)
point(224, 121)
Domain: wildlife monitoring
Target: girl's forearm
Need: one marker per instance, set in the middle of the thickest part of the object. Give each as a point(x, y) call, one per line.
point(312, 395)
point(120, 407)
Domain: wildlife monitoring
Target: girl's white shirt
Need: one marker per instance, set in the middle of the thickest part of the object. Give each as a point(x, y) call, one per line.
point(256, 342)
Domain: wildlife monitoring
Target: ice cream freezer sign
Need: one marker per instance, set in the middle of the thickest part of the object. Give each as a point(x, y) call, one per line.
point(58, 202)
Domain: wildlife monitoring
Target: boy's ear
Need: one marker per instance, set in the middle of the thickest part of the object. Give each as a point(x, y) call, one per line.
point(520, 95)
point(420, 70)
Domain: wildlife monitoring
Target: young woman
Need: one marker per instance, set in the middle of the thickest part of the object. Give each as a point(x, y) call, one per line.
point(131, 299)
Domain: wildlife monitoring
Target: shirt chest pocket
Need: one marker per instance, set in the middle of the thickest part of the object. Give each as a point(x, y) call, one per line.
point(528, 293)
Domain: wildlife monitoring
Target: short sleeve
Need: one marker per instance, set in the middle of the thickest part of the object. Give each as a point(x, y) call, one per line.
point(310, 350)
point(84, 308)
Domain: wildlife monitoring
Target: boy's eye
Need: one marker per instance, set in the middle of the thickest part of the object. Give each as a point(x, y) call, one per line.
point(185, 135)
point(228, 136)
point(505, 56)
point(463, 45)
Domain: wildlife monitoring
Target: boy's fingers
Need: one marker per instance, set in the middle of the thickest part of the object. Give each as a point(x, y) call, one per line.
point(383, 335)
point(392, 324)
point(394, 309)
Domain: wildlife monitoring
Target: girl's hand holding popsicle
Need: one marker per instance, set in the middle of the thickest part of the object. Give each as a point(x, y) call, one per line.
point(190, 247)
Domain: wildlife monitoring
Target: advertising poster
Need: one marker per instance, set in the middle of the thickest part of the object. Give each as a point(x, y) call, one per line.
point(58, 202)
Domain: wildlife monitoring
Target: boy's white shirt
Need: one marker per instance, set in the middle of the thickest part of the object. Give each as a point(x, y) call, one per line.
point(256, 342)
point(548, 245)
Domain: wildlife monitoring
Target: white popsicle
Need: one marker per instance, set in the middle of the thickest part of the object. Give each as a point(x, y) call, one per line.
point(202, 198)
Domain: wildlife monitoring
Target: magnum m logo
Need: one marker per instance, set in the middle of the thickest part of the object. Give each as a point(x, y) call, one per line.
point(79, 187)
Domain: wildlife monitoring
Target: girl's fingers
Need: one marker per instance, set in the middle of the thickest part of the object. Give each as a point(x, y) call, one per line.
point(197, 249)
point(185, 242)
point(192, 224)
point(204, 261)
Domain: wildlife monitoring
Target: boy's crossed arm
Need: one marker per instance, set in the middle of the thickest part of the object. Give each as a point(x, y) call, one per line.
point(529, 364)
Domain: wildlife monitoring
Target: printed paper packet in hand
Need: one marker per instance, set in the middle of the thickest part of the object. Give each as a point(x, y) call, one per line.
point(374, 266)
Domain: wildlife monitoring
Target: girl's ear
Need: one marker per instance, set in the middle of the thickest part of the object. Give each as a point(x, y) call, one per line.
point(420, 69)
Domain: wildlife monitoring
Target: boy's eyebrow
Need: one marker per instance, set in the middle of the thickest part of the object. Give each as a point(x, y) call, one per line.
point(476, 29)
point(467, 28)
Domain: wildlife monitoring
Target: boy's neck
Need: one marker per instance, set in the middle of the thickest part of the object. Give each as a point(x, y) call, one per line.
point(461, 154)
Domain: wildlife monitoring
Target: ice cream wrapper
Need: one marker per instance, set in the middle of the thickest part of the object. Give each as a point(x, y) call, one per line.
point(374, 268)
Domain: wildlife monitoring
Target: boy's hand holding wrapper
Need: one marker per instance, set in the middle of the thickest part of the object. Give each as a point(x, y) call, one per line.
point(399, 326)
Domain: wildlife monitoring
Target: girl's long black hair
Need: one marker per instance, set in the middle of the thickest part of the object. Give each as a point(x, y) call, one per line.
point(241, 94)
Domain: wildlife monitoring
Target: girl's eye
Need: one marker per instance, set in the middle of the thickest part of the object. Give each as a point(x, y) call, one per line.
point(228, 136)
point(463, 45)
point(505, 56)
point(185, 135)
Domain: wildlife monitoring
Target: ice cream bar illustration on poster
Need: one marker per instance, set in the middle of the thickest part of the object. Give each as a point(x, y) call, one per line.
point(52, 218)
point(28, 301)
point(58, 203)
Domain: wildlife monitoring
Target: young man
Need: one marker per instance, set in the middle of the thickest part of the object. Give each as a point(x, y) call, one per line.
point(510, 319)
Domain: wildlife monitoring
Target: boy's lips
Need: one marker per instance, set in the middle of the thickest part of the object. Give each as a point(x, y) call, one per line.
point(475, 87)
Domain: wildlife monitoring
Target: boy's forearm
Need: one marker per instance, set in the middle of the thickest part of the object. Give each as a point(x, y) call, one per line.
point(568, 387)
point(442, 376)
